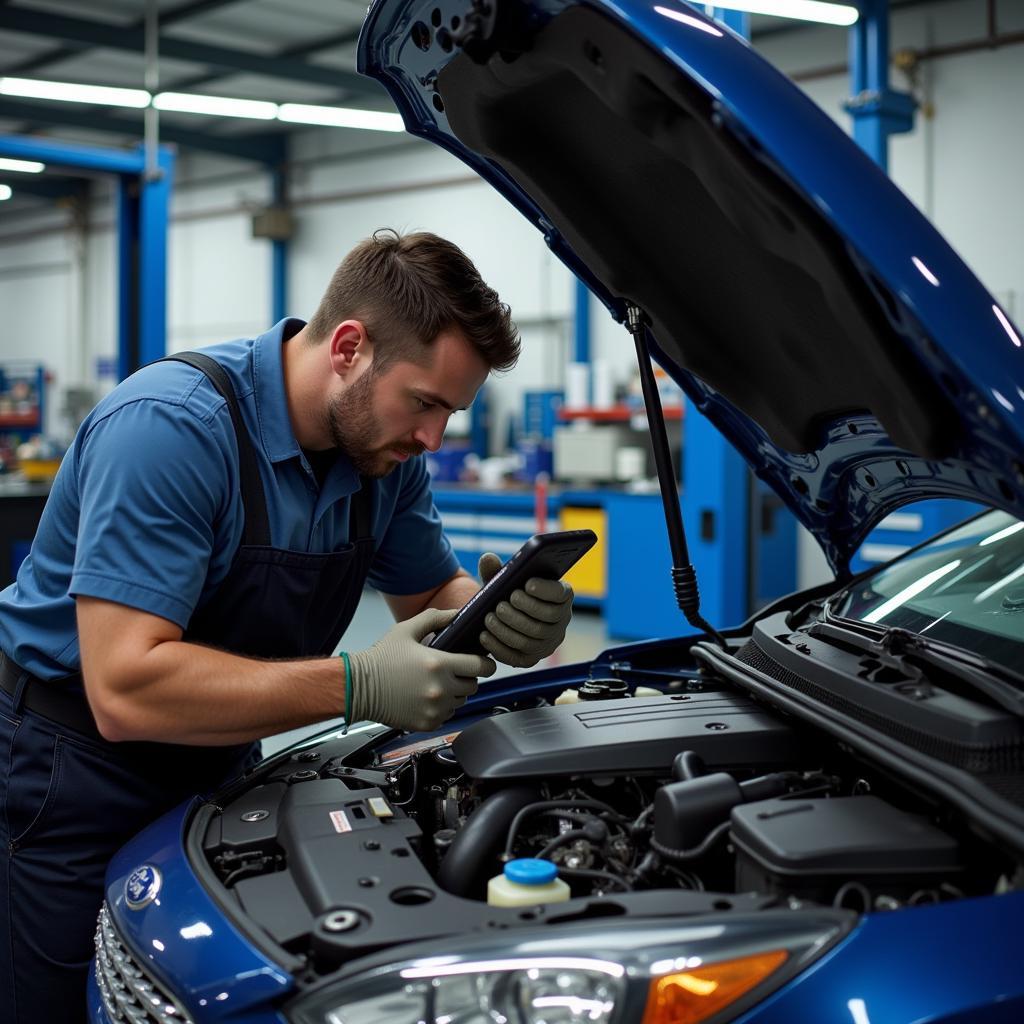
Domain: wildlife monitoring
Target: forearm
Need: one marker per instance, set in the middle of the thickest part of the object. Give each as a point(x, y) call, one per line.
point(455, 593)
point(181, 692)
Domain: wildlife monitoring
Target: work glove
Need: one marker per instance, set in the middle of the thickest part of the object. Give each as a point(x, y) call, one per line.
point(531, 623)
point(402, 683)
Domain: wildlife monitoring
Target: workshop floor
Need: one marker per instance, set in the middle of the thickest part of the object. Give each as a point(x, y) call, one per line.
point(587, 637)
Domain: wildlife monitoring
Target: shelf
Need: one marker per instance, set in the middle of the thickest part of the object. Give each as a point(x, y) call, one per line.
point(616, 414)
point(8, 420)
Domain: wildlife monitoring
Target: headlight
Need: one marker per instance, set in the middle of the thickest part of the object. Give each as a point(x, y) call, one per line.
point(627, 972)
point(559, 991)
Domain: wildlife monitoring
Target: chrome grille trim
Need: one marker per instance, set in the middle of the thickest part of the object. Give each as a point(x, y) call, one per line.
point(130, 995)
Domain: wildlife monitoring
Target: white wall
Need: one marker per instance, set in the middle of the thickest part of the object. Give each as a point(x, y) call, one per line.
point(219, 275)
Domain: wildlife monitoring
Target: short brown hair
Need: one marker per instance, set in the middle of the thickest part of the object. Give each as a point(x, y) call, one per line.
point(407, 289)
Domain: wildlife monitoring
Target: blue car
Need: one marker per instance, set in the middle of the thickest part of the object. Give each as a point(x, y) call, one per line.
point(813, 816)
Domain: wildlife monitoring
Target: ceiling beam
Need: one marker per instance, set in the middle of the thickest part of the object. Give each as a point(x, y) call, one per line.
point(185, 11)
point(297, 50)
point(191, 9)
point(128, 37)
point(265, 149)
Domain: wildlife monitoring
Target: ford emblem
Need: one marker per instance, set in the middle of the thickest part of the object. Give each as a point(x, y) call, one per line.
point(142, 887)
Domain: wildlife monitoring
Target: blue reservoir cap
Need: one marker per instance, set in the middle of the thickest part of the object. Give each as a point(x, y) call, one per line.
point(531, 871)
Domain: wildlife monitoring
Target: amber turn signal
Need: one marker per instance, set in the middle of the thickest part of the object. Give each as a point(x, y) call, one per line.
point(694, 995)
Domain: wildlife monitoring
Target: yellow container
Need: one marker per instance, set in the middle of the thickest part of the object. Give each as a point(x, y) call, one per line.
point(525, 883)
point(588, 577)
point(39, 470)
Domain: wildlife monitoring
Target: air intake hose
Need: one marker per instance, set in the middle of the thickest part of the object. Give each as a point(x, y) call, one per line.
point(472, 857)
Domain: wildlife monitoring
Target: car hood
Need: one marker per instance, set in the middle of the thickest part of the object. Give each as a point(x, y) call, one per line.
point(802, 302)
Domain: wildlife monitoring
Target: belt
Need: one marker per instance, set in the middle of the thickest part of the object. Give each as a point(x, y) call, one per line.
point(52, 699)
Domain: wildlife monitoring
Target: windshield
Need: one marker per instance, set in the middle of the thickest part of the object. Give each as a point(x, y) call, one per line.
point(966, 588)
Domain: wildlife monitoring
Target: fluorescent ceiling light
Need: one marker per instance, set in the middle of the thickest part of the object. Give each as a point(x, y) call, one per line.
point(192, 103)
point(5, 192)
point(24, 166)
point(802, 10)
point(103, 95)
point(341, 117)
point(218, 106)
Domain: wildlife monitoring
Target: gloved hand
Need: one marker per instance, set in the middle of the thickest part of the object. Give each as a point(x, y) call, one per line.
point(404, 684)
point(531, 624)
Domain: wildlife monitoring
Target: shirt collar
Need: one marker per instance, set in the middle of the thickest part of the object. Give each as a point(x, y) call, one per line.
point(268, 386)
point(272, 408)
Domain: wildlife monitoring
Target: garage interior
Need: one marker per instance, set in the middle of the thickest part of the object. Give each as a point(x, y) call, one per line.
point(130, 229)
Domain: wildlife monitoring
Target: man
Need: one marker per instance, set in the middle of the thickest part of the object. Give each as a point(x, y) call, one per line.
point(203, 550)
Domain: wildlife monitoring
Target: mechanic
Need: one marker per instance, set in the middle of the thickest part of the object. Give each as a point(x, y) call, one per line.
point(204, 547)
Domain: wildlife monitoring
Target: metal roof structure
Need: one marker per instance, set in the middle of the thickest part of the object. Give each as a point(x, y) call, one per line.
point(299, 51)
point(283, 51)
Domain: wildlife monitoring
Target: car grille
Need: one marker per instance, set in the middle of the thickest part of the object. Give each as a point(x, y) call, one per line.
point(129, 994)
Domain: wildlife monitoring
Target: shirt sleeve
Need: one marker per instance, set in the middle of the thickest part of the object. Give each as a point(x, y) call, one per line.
point(413, 555)
point(153, 481)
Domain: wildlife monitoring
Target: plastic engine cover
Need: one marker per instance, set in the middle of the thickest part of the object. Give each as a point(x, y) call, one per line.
point(811, 846)
point(616, 736)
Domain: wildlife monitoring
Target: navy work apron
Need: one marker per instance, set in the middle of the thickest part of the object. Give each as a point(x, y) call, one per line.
point(69, 799)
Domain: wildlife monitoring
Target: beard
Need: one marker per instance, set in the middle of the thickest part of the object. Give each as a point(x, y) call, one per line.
point(354, 429)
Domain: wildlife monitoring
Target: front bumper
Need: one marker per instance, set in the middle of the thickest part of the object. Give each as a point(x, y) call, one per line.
point(180, 954)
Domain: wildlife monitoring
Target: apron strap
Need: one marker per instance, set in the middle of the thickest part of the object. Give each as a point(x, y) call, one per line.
point(361, 511)
point(257, 524)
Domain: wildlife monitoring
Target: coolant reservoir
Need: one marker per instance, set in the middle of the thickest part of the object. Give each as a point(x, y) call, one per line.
point(525, 883)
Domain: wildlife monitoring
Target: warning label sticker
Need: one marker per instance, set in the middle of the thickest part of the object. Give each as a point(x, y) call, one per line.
point(339, 819)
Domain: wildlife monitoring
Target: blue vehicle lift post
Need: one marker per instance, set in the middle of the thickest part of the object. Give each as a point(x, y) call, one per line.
point(144, 215)
point(279, 248)
point(143, 203)
point(877, 110)
point(581, 330)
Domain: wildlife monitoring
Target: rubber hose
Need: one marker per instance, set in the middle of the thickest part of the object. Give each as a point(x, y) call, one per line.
point(688, 765)
point(694, 852)
point(467, 864)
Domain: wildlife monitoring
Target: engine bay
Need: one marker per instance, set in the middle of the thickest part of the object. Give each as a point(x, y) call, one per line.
point(690, 798)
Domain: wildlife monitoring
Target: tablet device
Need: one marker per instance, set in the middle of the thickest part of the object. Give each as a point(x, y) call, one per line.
point(547, 555)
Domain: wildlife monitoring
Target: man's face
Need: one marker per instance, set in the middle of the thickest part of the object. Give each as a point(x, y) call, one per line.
point(381, 419)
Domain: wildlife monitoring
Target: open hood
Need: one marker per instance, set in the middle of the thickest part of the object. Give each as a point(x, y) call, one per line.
point(801, 301)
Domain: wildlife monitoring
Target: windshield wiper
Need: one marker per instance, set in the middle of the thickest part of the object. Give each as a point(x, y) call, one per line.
point(902, 649)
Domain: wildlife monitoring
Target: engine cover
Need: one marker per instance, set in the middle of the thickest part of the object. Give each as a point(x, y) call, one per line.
point(615, 736)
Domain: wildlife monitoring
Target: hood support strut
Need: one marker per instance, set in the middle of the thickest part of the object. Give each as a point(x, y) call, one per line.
point(684, 576)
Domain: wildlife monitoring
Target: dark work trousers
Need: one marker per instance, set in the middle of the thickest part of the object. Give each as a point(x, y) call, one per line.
point(56, 837)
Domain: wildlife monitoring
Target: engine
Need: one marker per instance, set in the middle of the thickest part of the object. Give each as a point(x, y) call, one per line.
point(693, 800)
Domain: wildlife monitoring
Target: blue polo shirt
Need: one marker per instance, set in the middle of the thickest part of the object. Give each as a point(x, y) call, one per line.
point(146, 509)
